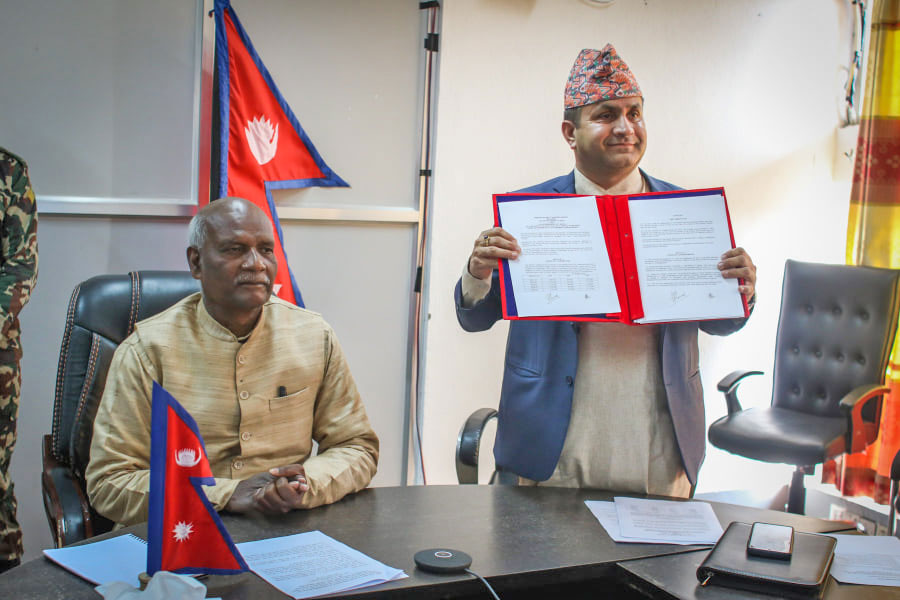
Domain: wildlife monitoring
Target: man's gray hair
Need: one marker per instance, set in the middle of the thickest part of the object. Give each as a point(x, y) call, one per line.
point(197, 230)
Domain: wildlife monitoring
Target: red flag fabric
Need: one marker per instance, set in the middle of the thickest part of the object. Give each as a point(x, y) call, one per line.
point(262, 146)
point(185, 534)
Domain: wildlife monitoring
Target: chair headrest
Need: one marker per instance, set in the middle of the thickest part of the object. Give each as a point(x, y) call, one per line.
point(110, 305)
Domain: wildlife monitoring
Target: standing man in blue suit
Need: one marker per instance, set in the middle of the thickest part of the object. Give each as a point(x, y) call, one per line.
point(602, 405)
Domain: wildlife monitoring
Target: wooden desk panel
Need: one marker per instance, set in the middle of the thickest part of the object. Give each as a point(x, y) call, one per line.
point(674, 577)
point(519, 537)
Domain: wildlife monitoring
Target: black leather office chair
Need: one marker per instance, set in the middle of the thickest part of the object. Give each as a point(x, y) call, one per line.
point(468, 446)
point(834, 339)
point(102, 312)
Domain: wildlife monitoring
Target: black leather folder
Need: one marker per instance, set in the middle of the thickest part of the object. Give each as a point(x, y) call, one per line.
point(803, 576)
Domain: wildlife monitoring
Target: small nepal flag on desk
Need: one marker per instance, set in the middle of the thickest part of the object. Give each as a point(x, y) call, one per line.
point(262, 146)
point(184, 532)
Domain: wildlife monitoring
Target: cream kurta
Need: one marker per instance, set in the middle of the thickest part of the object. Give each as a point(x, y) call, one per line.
point(231, 388)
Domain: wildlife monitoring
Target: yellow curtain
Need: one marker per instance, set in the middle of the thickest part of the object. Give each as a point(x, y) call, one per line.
point(873, 233)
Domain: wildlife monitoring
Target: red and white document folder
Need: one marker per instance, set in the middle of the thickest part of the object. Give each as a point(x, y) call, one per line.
point(643, 258)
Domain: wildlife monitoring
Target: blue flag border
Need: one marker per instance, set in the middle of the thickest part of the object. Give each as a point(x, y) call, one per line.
point(331, 178)
point(159, 428)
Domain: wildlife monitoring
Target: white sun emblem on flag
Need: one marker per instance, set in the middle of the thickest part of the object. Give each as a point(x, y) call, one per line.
point(182, 531)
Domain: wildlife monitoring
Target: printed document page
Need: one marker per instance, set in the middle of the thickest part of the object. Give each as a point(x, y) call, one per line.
point(564, 267)
point(867, 559)
point(667, 521)
point(605, 512)
point(678, 243)
point(311, 564)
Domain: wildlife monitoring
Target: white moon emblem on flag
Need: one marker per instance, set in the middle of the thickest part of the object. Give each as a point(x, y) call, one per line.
point(262, 138)
point(182, 531)
point(187, 457)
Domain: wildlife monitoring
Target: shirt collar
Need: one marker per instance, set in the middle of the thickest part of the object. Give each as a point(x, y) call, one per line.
point(219, 331)
point(634, 183)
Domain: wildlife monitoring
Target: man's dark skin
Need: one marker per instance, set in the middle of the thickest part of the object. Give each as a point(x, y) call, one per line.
point(236, 267)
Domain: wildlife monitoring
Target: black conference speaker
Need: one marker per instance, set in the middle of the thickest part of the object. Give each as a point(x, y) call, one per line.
point(442, 560)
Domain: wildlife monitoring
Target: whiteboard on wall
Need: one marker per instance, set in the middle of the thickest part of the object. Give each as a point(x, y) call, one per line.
point(102, 99)
point(98, 96)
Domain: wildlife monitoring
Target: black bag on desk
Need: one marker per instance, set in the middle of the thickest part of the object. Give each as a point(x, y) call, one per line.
point(803, 576)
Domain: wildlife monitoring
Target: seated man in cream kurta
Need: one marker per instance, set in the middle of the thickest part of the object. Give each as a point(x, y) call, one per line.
point(263, 379)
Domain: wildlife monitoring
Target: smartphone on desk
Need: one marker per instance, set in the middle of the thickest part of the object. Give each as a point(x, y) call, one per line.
point(771, 541)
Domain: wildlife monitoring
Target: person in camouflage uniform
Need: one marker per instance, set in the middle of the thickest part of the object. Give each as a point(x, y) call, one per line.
point(18, 271)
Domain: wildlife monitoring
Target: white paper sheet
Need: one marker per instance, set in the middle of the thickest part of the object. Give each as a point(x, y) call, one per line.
point(564, 267)
point(678, 243)
point(311, 564)
point(605, 512)
point(667, 521)
point(866, 559)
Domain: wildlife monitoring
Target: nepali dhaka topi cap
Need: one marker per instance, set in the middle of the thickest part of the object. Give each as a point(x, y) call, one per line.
point(599, 75)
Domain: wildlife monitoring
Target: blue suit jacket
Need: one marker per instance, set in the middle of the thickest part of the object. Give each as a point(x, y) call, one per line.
point(539, 375)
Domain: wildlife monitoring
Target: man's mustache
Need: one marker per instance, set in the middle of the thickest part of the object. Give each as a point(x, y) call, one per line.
point(253, 279)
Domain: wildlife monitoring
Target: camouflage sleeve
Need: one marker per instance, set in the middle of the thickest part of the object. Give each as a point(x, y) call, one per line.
point(18, 231)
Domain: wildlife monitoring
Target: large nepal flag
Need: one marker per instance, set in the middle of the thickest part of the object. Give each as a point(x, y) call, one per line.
point(262, 146)
point(184, 532)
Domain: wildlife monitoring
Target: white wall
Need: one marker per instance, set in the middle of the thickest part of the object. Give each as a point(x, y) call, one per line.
point(740, 94)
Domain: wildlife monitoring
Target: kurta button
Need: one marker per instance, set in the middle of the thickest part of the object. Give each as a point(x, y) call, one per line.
point(245, 436)
point(569, 380)
point(242, 359)
point(238, 465)
point(244, 395)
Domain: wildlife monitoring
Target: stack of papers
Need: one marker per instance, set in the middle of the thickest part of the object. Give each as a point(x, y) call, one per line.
point(301, 565)
point(645, 521)
point(867, 560)
point(312, 564)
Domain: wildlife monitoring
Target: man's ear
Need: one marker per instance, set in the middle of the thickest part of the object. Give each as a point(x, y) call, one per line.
point(193, 258)
point(568, 132)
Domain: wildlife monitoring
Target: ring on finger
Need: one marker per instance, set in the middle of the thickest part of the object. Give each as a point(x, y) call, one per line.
point(485, 240)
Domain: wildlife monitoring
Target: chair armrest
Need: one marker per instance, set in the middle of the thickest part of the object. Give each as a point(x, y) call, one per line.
point(861, 432)
point(728, 385)
point(67, 509)
point(468, 442)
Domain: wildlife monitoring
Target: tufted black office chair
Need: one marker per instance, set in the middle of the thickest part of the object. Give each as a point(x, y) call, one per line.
point(468, 445)
point(102, 312)
point(834, 339)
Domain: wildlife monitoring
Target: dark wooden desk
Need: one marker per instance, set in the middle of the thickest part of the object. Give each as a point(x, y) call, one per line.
point(673, 576)
point(525, 540)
